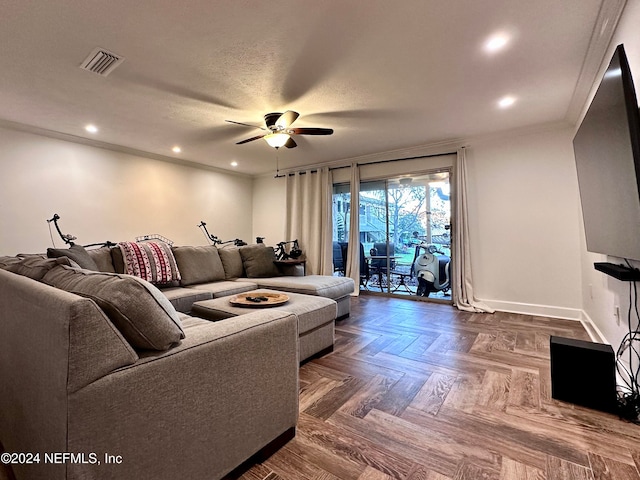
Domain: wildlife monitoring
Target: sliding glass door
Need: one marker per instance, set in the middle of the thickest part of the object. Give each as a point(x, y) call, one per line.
point(405, 239)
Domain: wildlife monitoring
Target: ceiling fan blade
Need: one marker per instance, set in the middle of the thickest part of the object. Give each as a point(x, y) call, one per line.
point(312, 131)
point(287, 118)
point(245, 124)
point(249, 139)
point(291, 143)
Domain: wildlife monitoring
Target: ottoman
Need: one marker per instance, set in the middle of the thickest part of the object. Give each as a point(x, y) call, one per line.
point(316, 317)
point(336, 288)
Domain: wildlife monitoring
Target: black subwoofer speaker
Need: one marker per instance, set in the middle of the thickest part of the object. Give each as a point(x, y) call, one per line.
point(583, 373)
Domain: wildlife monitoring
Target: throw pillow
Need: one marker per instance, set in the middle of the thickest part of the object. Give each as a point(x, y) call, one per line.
point(102, 257)
point(35, 266)
point(77, 253)
point(151, 261)
point(118, 261)
point(257, 261)
point(144, 316)
point(7, 260)
point(232, 262)
point(199, 264)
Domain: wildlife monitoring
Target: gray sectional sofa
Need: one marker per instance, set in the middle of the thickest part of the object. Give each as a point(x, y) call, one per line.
point(122, 376)
point(219, 272)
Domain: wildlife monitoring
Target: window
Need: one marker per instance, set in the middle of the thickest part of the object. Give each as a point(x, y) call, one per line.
point(402, 221)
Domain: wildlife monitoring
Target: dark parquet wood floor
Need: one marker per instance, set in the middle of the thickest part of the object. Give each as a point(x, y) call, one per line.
point(417, 390)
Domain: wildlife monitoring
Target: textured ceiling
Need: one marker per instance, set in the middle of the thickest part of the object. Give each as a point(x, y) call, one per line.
point(384, 75)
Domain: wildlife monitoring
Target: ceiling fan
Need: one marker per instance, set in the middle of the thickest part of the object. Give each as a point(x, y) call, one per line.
point(278, 130)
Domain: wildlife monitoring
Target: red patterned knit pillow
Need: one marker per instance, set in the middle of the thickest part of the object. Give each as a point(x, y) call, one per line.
point(151, 261)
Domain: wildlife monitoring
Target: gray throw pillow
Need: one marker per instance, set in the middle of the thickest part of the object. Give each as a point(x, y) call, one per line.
point(7, 260)
point(232, 262)
point(35, 266)
point(102, 257)
point(77, 253)
point(118, 260)
point(198, 264)
point(257, 261)
point(144, 316)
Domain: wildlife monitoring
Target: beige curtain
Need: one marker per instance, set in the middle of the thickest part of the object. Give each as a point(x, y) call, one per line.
point(353, 256)
point(462, 281)
point(309, 219)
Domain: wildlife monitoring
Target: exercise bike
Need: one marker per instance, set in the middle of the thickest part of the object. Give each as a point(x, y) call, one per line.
point(217, 241)
point(431, 268)
point(293, 254)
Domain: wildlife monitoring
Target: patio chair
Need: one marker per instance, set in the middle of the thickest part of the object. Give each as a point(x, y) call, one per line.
point(403, 278)
point(364, 266)
point(338, 259)
point(379, 265)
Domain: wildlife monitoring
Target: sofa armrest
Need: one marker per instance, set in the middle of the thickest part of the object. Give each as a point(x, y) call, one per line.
point(51, 343)
point(197, 410)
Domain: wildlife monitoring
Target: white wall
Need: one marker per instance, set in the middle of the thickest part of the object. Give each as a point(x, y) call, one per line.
point(524, 222)
point(524, 210)
point(106, 195)
point(601, 293)
point(269, 204)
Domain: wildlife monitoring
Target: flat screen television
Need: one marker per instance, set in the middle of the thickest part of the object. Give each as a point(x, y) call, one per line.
point(607, 153)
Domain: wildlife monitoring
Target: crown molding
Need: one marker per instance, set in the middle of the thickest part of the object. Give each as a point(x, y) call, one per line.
point(592, 68)
point(435, 148)
point(21, 127)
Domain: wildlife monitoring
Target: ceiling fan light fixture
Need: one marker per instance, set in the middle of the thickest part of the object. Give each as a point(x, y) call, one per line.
point(277, 140)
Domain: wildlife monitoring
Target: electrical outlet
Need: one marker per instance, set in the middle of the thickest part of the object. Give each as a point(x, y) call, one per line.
point(616, 313)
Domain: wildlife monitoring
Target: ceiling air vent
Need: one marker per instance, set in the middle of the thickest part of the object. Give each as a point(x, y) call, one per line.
point(102, 61)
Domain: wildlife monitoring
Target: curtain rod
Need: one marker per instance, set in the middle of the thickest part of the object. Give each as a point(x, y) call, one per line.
point(397, 160)
point(372, 163)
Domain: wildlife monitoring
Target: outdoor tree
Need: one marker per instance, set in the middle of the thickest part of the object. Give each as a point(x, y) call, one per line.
point(405, 205)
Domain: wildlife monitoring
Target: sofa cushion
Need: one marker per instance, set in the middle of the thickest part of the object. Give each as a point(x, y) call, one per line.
point(320, 285)
point(102, 257)
point(226, 287)
point(257, 261)
point(35, 266)
point(139, 310)
point(182, 298)
point(232, 262)
point(77, 253)
point(151, 261)
point(199, 264)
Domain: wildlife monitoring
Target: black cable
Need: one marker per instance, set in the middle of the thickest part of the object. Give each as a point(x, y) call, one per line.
point(629, 401)
point(634, 337)
point(51, 235)
point(625, 375)
point(629, 345)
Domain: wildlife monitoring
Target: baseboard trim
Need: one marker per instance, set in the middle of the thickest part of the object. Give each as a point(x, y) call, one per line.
point(592, 329)
point(552, 312)
point(535, 309)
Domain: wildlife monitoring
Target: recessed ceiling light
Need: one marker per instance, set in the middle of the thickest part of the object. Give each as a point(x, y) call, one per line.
point(234, 164)
point(506, 102)
point(91, 129)
point(176, 149)
point(496, 42)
